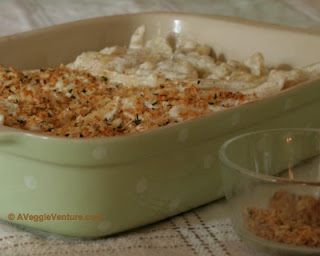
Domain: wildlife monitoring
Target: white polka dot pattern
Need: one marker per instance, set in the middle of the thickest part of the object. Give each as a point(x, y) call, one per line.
point(99, 153)
point(183, 135)
point(288, 104)
point(142, 186)
point(235, 119)
point(104, 226)
point(174, 204)
point(30, 182)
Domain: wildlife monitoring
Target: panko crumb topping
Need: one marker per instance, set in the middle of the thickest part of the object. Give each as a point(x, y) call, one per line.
point(289, 218)
point(123, 90)
point(73, 103)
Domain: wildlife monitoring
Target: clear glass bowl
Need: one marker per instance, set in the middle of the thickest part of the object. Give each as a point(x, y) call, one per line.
point(272, 182)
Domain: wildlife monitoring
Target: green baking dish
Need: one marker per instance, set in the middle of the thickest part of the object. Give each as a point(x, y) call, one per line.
point(130, 181)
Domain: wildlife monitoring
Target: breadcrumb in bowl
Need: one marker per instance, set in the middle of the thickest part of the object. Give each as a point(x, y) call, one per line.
point(289, 218)
point(273, 187)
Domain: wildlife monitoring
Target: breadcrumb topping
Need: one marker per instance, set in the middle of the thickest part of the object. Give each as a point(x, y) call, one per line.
point(290, 218)
point(64, 102)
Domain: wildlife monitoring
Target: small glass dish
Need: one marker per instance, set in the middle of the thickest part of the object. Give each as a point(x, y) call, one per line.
point(272, 183)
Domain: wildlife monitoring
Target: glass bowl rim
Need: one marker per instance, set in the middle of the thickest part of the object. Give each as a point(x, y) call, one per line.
point(264, 177)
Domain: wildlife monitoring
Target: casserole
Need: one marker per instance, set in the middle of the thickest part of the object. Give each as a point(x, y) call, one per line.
point(145, 177)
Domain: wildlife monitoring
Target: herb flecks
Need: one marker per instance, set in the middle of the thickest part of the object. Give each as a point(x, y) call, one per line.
point(137, 121)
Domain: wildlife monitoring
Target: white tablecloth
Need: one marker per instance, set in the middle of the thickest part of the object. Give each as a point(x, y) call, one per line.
point(204, 231)
point(22, 15)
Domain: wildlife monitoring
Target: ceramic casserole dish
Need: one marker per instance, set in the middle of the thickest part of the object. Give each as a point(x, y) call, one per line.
point(133, 180)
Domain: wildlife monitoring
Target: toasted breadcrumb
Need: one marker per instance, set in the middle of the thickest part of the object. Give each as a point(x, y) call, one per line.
point(64, 102)
point(290, 218)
